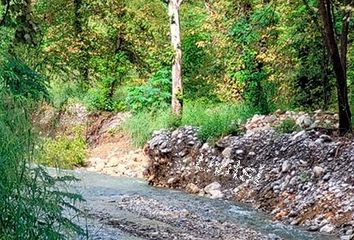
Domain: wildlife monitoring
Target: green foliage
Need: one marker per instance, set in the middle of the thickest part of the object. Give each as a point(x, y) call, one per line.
point(154, 94)
point(62, 93)
point(21, 80)
point(32, 204)
point(248, 33)
point(103, 95)
point(142, 124)
point(66, 152)
point(213, 120)
point(288, 126)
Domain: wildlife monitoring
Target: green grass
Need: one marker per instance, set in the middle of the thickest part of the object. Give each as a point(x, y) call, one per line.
point(287, 126)
point(141, 125)
point(214, 120)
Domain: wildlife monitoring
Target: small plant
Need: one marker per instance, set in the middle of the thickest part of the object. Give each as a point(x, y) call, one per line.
point(304, 177)
point(287, 126)
point(142, 124)
point(64, 151)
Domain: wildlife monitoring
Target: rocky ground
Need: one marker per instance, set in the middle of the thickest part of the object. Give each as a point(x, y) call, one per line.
point(111, 151)
point(305, 178)
point(125, 208)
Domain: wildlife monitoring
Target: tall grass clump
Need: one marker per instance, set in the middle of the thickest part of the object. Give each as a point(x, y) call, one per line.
point(142, 124)
point(212, 119)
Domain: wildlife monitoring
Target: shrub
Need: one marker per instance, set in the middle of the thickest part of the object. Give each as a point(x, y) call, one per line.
point(287, 126)
point(155, 94)
point(213, 120)
point(64, 151)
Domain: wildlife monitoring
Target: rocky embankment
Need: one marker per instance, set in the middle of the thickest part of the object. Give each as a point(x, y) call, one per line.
point(304, 178)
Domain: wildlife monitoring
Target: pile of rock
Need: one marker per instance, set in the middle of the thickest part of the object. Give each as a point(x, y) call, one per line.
point(318, 119)
point(304, 178)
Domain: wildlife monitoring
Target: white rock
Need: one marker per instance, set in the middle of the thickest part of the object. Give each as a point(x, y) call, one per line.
point(171, 180)
point(347, 237)
point(285, 166)
point(327, 228)
point(214, 190)
point(227, 152)
point(212, 186)
point(298, 135)
point(304, 121)
point(318, 171)
point(239, 152)
point(215, 194)
point(100, 166)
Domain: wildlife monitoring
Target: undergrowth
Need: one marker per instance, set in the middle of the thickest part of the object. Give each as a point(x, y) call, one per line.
point(213, 120)
point(32, 204)
point(64, 151)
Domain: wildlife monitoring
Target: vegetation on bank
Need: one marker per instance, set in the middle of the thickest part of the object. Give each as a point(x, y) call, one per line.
point(65, 151)
point(32, 204)
point(213, 120)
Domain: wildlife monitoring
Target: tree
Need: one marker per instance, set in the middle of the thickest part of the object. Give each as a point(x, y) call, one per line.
point(177, 84)
point(338, 55)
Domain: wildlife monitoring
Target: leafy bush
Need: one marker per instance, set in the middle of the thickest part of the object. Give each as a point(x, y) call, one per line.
point(64, 151)
point(152, 95)
point(287, 126)
point(103, 97)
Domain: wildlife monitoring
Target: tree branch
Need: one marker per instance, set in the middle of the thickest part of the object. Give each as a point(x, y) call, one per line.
point(7, 10)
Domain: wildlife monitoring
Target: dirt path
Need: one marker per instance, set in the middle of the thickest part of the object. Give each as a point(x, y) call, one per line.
point(111, 151)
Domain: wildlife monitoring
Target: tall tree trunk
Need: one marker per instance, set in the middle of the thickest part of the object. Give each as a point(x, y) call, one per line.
point(177, 84)
point(339, 65)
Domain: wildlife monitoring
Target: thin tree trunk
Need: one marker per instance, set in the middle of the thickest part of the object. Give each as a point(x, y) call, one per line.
point(339, 68)
point(344, 43)
point(177, 84)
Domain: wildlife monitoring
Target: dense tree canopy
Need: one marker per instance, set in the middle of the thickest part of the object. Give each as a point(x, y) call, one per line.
point(265, 54)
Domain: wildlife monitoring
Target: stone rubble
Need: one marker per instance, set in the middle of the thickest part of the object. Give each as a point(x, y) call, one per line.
point(304, 178)
point(318, 119)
